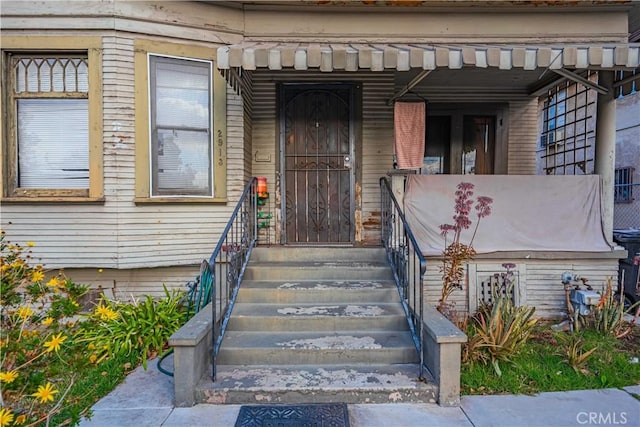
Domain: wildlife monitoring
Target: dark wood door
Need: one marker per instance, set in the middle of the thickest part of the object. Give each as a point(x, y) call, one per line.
point(317, 163)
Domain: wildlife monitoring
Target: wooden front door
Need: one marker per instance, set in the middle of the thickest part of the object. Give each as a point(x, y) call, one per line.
point(316, 163)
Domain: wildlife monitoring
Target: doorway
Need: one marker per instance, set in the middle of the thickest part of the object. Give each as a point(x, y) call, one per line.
point(317, 163)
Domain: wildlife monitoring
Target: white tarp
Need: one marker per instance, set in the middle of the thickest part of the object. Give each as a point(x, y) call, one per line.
point(529, 212)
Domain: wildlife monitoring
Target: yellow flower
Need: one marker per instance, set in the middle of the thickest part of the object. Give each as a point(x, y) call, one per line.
point(8, 377)
point(6, 417)
point(21, 419)
point(31, 244)
point(47, 321)
point(91, 346)
point(93, 358)
point(25, 312)
point(37, 276)
point(106, 313)
point(45, 393)
point(17, 263)
point(53, 282)
point(5, 267)
point(54, 343)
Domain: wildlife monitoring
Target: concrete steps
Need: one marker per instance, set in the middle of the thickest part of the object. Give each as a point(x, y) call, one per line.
point(317, 325)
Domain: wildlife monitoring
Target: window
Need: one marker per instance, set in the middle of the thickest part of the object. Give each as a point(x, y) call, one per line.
point(181, 145)
point(554, 118)
point(180, 125)
point(53, 141)
point(623, 185)
point(567, 133)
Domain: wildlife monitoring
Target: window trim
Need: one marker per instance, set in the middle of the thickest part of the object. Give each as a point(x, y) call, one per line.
point(144, 48)
point(92, 47)
point(619, 196)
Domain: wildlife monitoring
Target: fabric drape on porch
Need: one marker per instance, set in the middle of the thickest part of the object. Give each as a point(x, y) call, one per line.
point(529, 212)
point(409, 126)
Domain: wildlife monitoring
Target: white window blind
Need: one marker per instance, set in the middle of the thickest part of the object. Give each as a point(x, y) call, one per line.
point(51, 104)
point(181, 143)
point(52, 143)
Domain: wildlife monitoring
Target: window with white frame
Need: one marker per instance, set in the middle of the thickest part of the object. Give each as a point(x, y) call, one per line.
point(623, 185)
point(180, 120)
point(49, 147)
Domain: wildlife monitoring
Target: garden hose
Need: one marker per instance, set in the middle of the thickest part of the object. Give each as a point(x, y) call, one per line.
point(198, 296)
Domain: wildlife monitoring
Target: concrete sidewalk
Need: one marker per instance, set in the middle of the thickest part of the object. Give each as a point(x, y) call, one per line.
point(145, 399)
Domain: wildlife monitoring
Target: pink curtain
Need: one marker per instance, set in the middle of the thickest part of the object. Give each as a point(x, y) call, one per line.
point(409, 124)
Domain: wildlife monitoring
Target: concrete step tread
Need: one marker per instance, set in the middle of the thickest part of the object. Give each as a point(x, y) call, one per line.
point(318, 377)
point(318, 341)
point(319, 285)
point(317, 253)
point(317, 310)
point(372, 383)
point(318, 264)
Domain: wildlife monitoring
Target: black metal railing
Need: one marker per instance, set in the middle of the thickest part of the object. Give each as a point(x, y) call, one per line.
point(407, 262)
point(220, 275)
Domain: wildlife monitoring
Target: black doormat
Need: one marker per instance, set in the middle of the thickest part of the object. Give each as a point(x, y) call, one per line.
point(307, 415)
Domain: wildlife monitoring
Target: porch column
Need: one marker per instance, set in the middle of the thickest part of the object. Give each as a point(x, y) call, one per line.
point(605, 150)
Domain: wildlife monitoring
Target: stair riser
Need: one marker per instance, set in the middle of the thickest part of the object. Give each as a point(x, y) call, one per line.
point(316, 254)
point(314, 395)
point(256, 323)
point(279, 296)
point(255, 272)
point(257, 356)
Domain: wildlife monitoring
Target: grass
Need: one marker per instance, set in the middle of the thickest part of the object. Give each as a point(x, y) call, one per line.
point(90, 385)
point(543, 365)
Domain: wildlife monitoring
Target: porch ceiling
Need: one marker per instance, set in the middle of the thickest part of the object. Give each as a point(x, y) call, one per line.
point(481, 69)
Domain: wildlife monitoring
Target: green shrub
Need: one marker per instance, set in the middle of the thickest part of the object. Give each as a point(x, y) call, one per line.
point(499, 332)
point(141, 327)
point(37, 346)
point(55, 362)
point(608, 314)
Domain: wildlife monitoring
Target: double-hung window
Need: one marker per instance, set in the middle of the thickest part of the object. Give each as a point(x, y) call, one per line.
point(52, 146)
point(180, 116)
point(180, 122)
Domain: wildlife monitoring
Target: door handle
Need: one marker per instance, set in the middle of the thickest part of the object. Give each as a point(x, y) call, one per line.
point(347, 162)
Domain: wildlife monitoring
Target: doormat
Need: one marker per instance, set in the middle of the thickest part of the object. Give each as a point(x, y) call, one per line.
point(307, 415)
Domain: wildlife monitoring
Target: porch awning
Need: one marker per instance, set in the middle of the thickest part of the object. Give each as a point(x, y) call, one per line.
point(403, 57)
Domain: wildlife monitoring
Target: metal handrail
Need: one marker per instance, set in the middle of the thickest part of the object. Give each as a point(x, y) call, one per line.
point(220, 276)
point(407, 262)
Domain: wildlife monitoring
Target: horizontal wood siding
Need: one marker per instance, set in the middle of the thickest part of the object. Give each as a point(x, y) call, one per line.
point(538, 281)
point(523, 137)
point(118, 233)
point(127, 284)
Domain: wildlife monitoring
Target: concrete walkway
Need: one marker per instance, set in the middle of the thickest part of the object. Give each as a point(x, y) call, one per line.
point(145, 399)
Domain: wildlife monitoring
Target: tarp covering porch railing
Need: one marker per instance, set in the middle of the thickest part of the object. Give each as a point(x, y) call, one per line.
point(529, 212)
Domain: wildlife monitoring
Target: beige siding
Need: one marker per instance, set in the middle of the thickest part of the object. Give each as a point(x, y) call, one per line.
point(118, 233)
point(523, 136)
point(538, 281)
point(126, 284)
